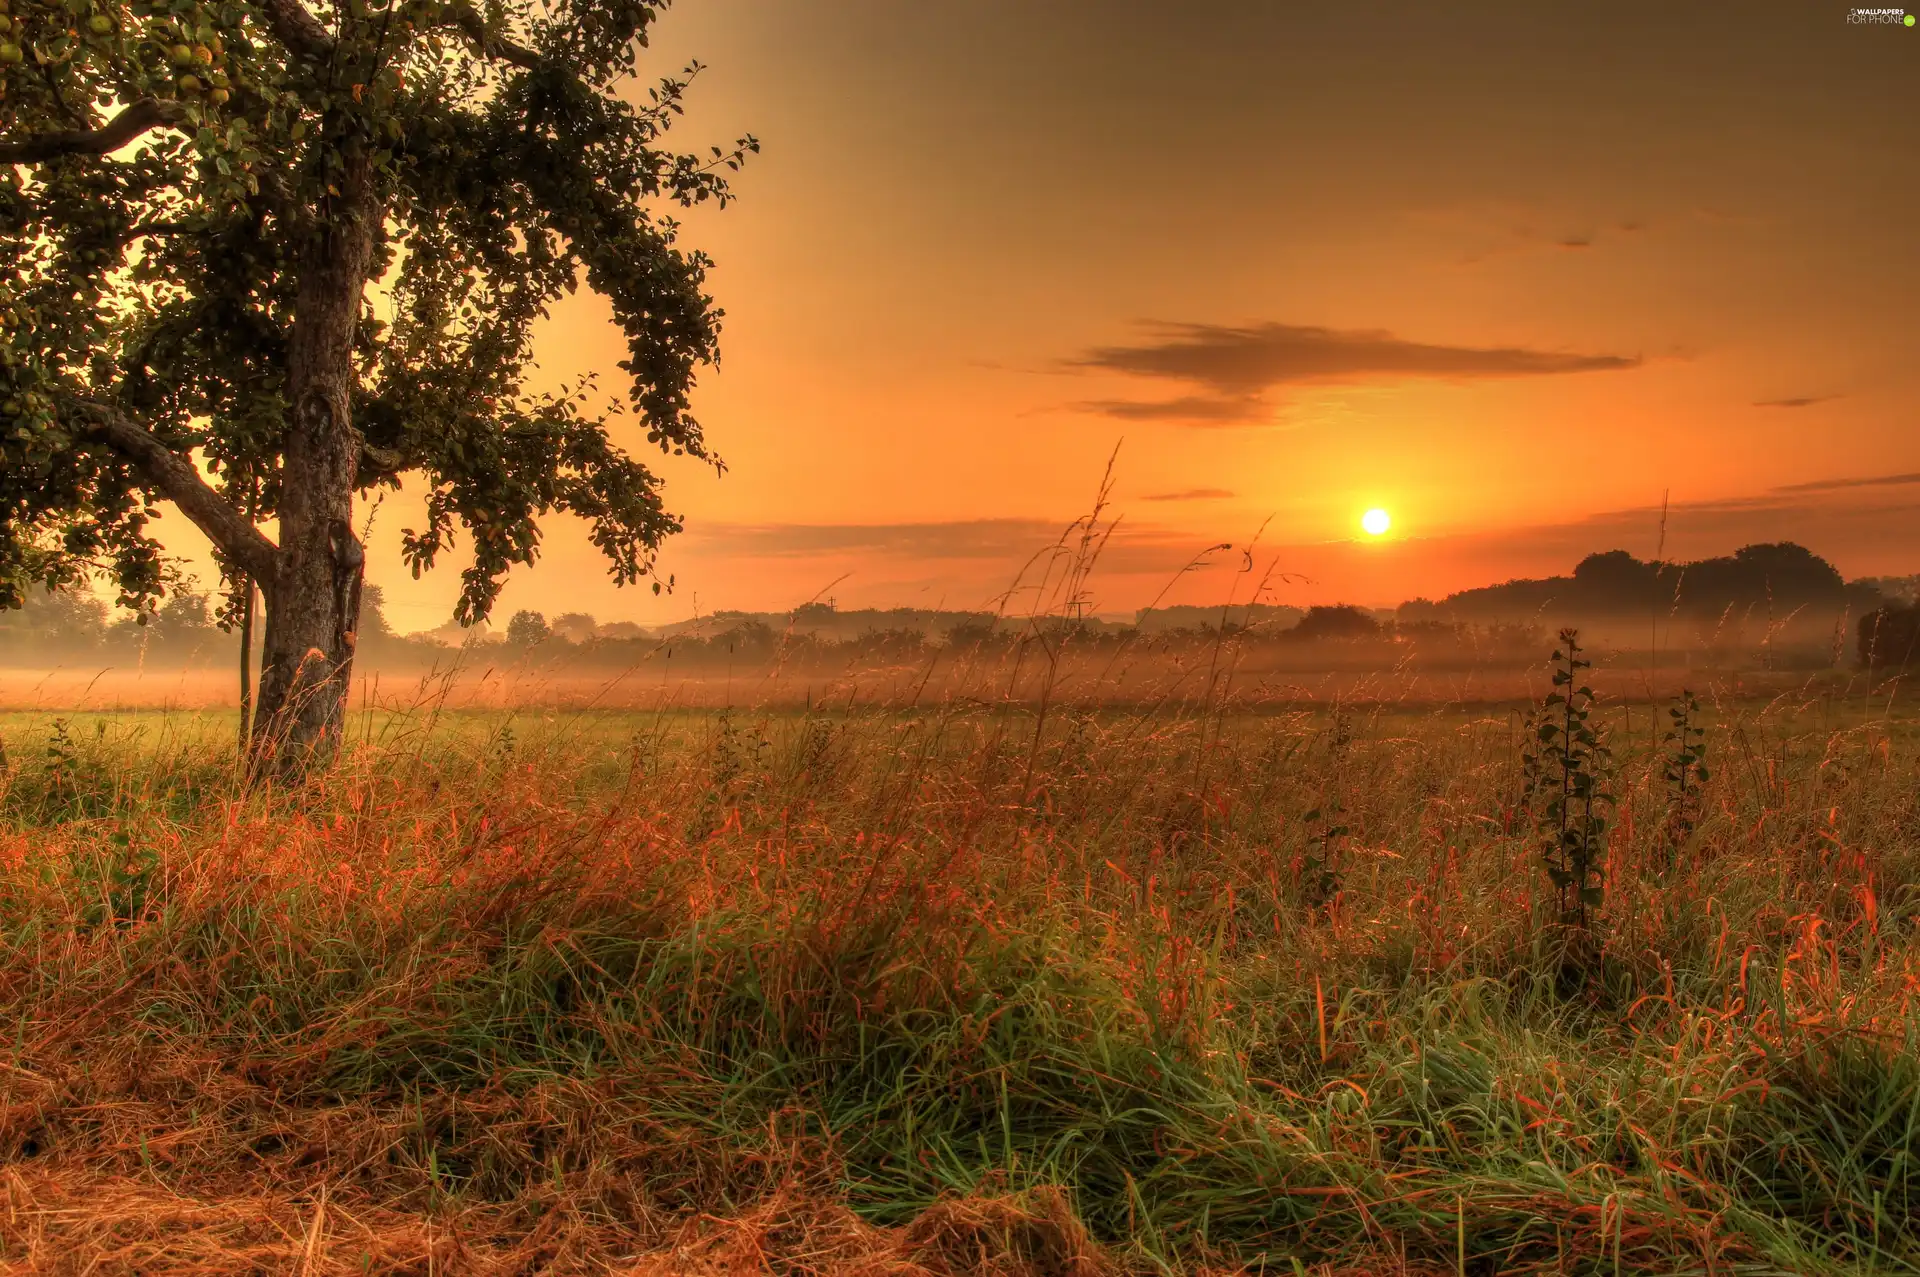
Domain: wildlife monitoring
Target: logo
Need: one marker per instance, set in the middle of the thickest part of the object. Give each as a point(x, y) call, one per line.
point(1880, 17)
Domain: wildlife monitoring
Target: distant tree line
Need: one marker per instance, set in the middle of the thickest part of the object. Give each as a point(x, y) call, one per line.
point(1774, 581)
point(69, 627)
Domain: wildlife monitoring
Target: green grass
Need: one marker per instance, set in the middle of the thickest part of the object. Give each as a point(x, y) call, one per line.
point(575, 982)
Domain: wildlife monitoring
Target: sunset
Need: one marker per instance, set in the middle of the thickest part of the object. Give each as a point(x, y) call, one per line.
point(1008, 639)
point(1285, 258)
point(1527, 271)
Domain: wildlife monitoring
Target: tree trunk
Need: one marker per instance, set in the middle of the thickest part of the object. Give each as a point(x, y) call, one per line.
point(313, 603)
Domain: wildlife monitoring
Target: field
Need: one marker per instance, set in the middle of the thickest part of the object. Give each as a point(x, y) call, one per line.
point(963, 985)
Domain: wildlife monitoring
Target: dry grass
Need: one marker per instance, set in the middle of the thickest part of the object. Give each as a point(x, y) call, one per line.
point(66, 1223)
point(962, 988)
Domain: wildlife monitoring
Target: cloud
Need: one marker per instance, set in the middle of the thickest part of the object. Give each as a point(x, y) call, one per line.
point(1192, 494)
point(1806, 401)
point(1237, 364)
point(1476, 232)
point(956, 539)
point(972, 562)
point(1834, 485)
point(1198, 410)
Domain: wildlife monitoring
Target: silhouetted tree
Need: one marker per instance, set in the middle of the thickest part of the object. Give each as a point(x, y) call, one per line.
point(525, 628)
point(373, 613)
point(575, 627)
point(1780, 578)
point(1889, 636)
point(185, 615)
point(1615, 582)
point(1339, 621)
point(68, 622)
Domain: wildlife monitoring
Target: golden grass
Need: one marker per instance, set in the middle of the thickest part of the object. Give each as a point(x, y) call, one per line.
point(955, 988)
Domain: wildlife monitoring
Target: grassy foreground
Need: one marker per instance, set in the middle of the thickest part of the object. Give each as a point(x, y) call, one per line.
point(928, 992)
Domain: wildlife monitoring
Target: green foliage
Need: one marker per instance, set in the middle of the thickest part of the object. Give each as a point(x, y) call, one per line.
point(502, 160)
point(1566, 762)
point(117, 883)
point(73, 783)
point(1322, 865)
point(816, 755)
point(62, 761)
point(737, 755)
point(736, 769)
point(1683, 769)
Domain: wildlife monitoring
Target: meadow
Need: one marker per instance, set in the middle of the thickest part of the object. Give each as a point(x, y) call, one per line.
point(962, 983)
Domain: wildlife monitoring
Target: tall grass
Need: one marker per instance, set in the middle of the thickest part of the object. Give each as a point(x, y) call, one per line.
point(1060, 996)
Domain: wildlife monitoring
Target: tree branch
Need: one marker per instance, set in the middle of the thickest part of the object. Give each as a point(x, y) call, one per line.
point(298, 29)
point(474, 27)
point(177, 480)
point(145, 114)
point(379, 464)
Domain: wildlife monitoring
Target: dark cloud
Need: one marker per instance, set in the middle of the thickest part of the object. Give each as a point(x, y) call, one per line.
point(1493, 230)
point(957, 539)
point(1237, 364)
point(1806, 401)
point(1834, 485)
point(1192, 494)
point(998, 540)
point(1197, 410)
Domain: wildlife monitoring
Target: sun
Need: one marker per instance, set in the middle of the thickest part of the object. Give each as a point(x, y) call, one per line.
point(1376, 522)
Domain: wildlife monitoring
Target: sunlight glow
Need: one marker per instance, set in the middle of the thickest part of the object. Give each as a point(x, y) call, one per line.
point(1376, 522)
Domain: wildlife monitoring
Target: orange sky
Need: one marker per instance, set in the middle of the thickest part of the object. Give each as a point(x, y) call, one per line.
point(1511, 275)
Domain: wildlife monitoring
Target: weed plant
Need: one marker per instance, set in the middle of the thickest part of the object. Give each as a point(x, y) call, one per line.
point(1684, 770)
point(1566, 766)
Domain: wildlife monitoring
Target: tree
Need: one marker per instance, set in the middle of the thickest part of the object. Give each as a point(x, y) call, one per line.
point(184, 617)
point(1337, 621)
point(69, 622)
point(1889, 636)
point(526, 628)
point(373, 622)
point(1615, 582)
point(199, 196)
point(575, 627)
